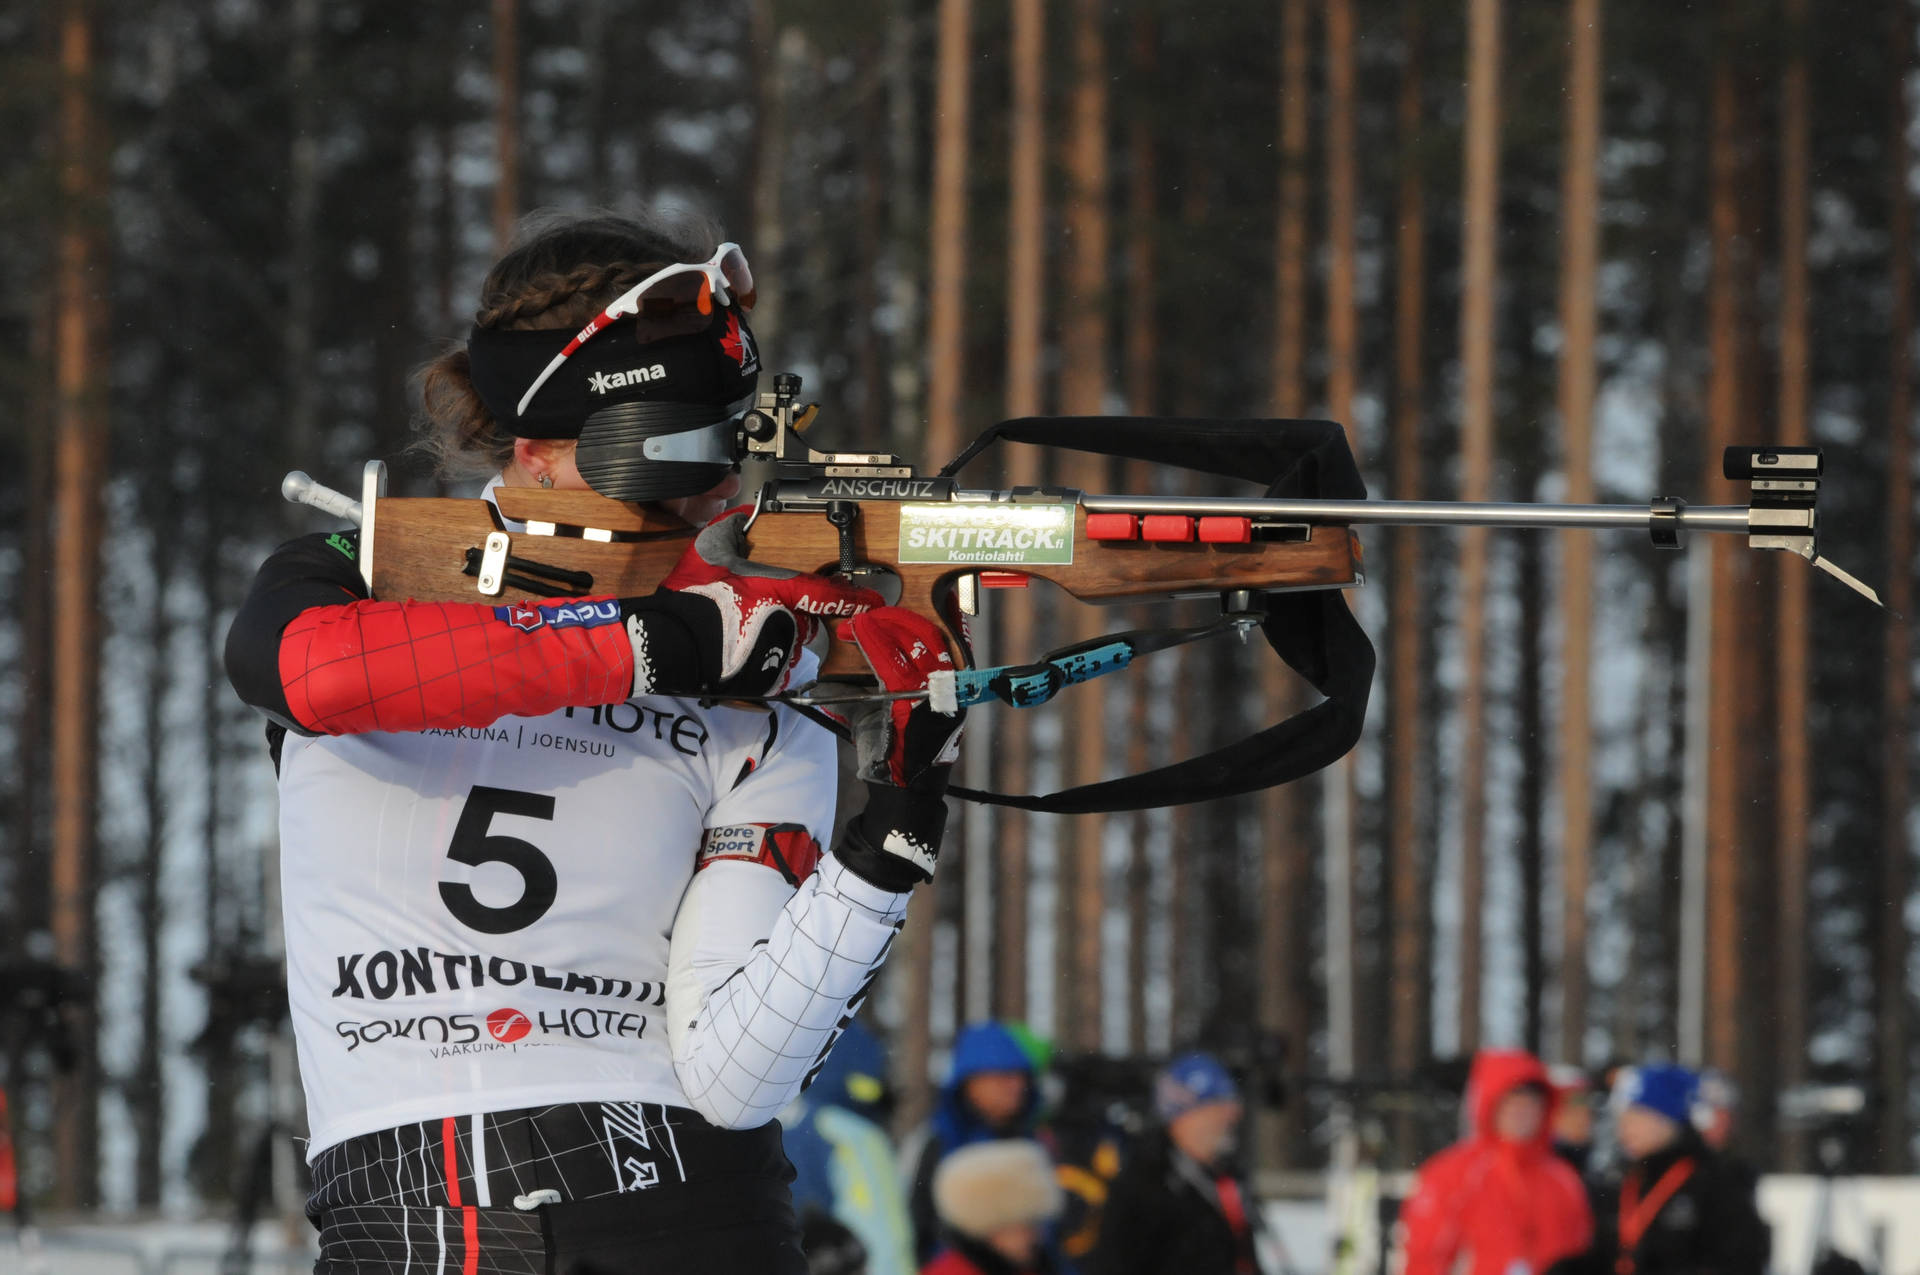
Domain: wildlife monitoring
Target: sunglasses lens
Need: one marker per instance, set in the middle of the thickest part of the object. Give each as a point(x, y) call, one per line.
point(739, 277)
point(672, 306)
point(673, 292)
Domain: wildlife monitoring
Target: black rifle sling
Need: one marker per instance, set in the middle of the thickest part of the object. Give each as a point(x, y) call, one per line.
point(1312, 631)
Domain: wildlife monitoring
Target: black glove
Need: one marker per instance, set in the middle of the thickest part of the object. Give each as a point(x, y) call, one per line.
point(903, 749)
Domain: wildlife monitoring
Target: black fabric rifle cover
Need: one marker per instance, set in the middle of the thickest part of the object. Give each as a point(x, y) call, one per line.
point(1312, 631)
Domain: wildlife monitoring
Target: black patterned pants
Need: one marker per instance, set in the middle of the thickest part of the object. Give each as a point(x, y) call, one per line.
point(575, 1189)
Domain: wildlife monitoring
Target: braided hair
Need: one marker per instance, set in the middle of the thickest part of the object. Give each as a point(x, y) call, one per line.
point(562, 270)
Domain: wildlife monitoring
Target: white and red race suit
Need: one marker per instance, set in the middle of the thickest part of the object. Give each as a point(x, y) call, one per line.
point(502, 890)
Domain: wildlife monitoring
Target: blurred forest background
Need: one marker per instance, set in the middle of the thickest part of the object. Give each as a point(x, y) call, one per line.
point(1611, 802)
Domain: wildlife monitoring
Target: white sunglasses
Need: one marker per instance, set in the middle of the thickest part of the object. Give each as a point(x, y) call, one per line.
point(725, 276)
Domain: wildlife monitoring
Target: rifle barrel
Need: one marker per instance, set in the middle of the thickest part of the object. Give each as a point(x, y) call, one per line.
point(1432, 513)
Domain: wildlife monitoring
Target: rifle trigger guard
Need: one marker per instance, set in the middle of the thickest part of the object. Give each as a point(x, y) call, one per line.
point(1664, 521)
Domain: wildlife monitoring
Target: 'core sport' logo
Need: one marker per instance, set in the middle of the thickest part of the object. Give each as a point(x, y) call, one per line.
point(508, 1025)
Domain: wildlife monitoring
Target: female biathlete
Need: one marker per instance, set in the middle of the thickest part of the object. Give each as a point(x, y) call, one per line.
point(561, 940)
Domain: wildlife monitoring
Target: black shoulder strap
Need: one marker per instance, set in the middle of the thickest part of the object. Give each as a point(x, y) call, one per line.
point(1313, 632)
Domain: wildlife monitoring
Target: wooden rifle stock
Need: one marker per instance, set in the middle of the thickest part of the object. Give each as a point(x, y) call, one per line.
point(432, 549)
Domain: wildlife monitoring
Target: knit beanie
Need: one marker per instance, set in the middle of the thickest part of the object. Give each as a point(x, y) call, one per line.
point(1189, 1081)
point(1663, 1087)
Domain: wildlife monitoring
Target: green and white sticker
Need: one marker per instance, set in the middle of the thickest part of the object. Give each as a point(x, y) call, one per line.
point(987, 535)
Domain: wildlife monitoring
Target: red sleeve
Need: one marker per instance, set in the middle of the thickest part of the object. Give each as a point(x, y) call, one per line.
point(1429, 1221)
point(1576, 1213)
point(9, 1172)
point(949, 1263)
point(398, 666)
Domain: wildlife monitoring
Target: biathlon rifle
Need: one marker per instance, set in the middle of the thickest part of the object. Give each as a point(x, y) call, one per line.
point(1274, 563)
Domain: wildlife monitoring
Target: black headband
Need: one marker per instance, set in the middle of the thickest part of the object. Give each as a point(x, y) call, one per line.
point(716, 366)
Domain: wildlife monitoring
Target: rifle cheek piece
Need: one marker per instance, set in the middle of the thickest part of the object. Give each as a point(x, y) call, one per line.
point(644, 451)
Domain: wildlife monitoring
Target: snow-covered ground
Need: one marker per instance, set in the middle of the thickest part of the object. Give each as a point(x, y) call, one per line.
point(152, 1248)
point(1874, 1219)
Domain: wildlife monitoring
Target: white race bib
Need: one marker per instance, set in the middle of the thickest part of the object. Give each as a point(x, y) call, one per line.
point(478, 919)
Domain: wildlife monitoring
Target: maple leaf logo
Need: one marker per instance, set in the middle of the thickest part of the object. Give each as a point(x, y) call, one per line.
point(738, 345)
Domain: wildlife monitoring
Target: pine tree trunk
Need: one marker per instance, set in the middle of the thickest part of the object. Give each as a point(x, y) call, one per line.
point(1673, 922)
point(1342, 213)
point(148, 1098)
point(1286, 861)
point(303, 205)
point(1193, 945)
point(1083, 391)
point(1739, 705)
point(1531, 797)
point(1479, 286)
point(593, 100)
point(506, 120)
point(1895, 999)
point(1141, 342)
point(1407, 880)
point(872, 353)
point(945, 340)
point(1723, 742)
point(1579, 313)
point(30, 876)
point(1026, 241)
point(446, 219)
point(1795, 776)
point(214, 1167)
point(395, 308)
point(1337, 792)
point(1290, 247)
point(767, 215)
point(1183, 956)
point(946, 335)
point(80, 436)
point(906, 226)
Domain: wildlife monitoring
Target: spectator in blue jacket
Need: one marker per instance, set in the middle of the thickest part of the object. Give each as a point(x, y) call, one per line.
point(991, 1092)
point(843, 1160)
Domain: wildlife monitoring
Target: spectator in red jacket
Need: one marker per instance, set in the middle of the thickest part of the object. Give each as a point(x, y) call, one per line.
point(1498, 1202)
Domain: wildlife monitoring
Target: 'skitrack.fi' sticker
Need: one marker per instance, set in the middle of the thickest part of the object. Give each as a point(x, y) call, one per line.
point(987, 535)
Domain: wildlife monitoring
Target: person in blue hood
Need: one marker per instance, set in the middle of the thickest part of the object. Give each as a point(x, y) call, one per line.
point(843, 1161)
point(991, 1092)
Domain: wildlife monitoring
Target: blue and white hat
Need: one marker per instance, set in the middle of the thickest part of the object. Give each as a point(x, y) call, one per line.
point(1667, 1088)
point(1192, 1080)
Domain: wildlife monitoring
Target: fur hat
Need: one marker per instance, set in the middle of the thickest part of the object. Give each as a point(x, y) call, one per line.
point(977, 1190)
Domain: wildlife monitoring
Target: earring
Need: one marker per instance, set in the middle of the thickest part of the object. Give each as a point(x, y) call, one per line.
point(545, 480)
